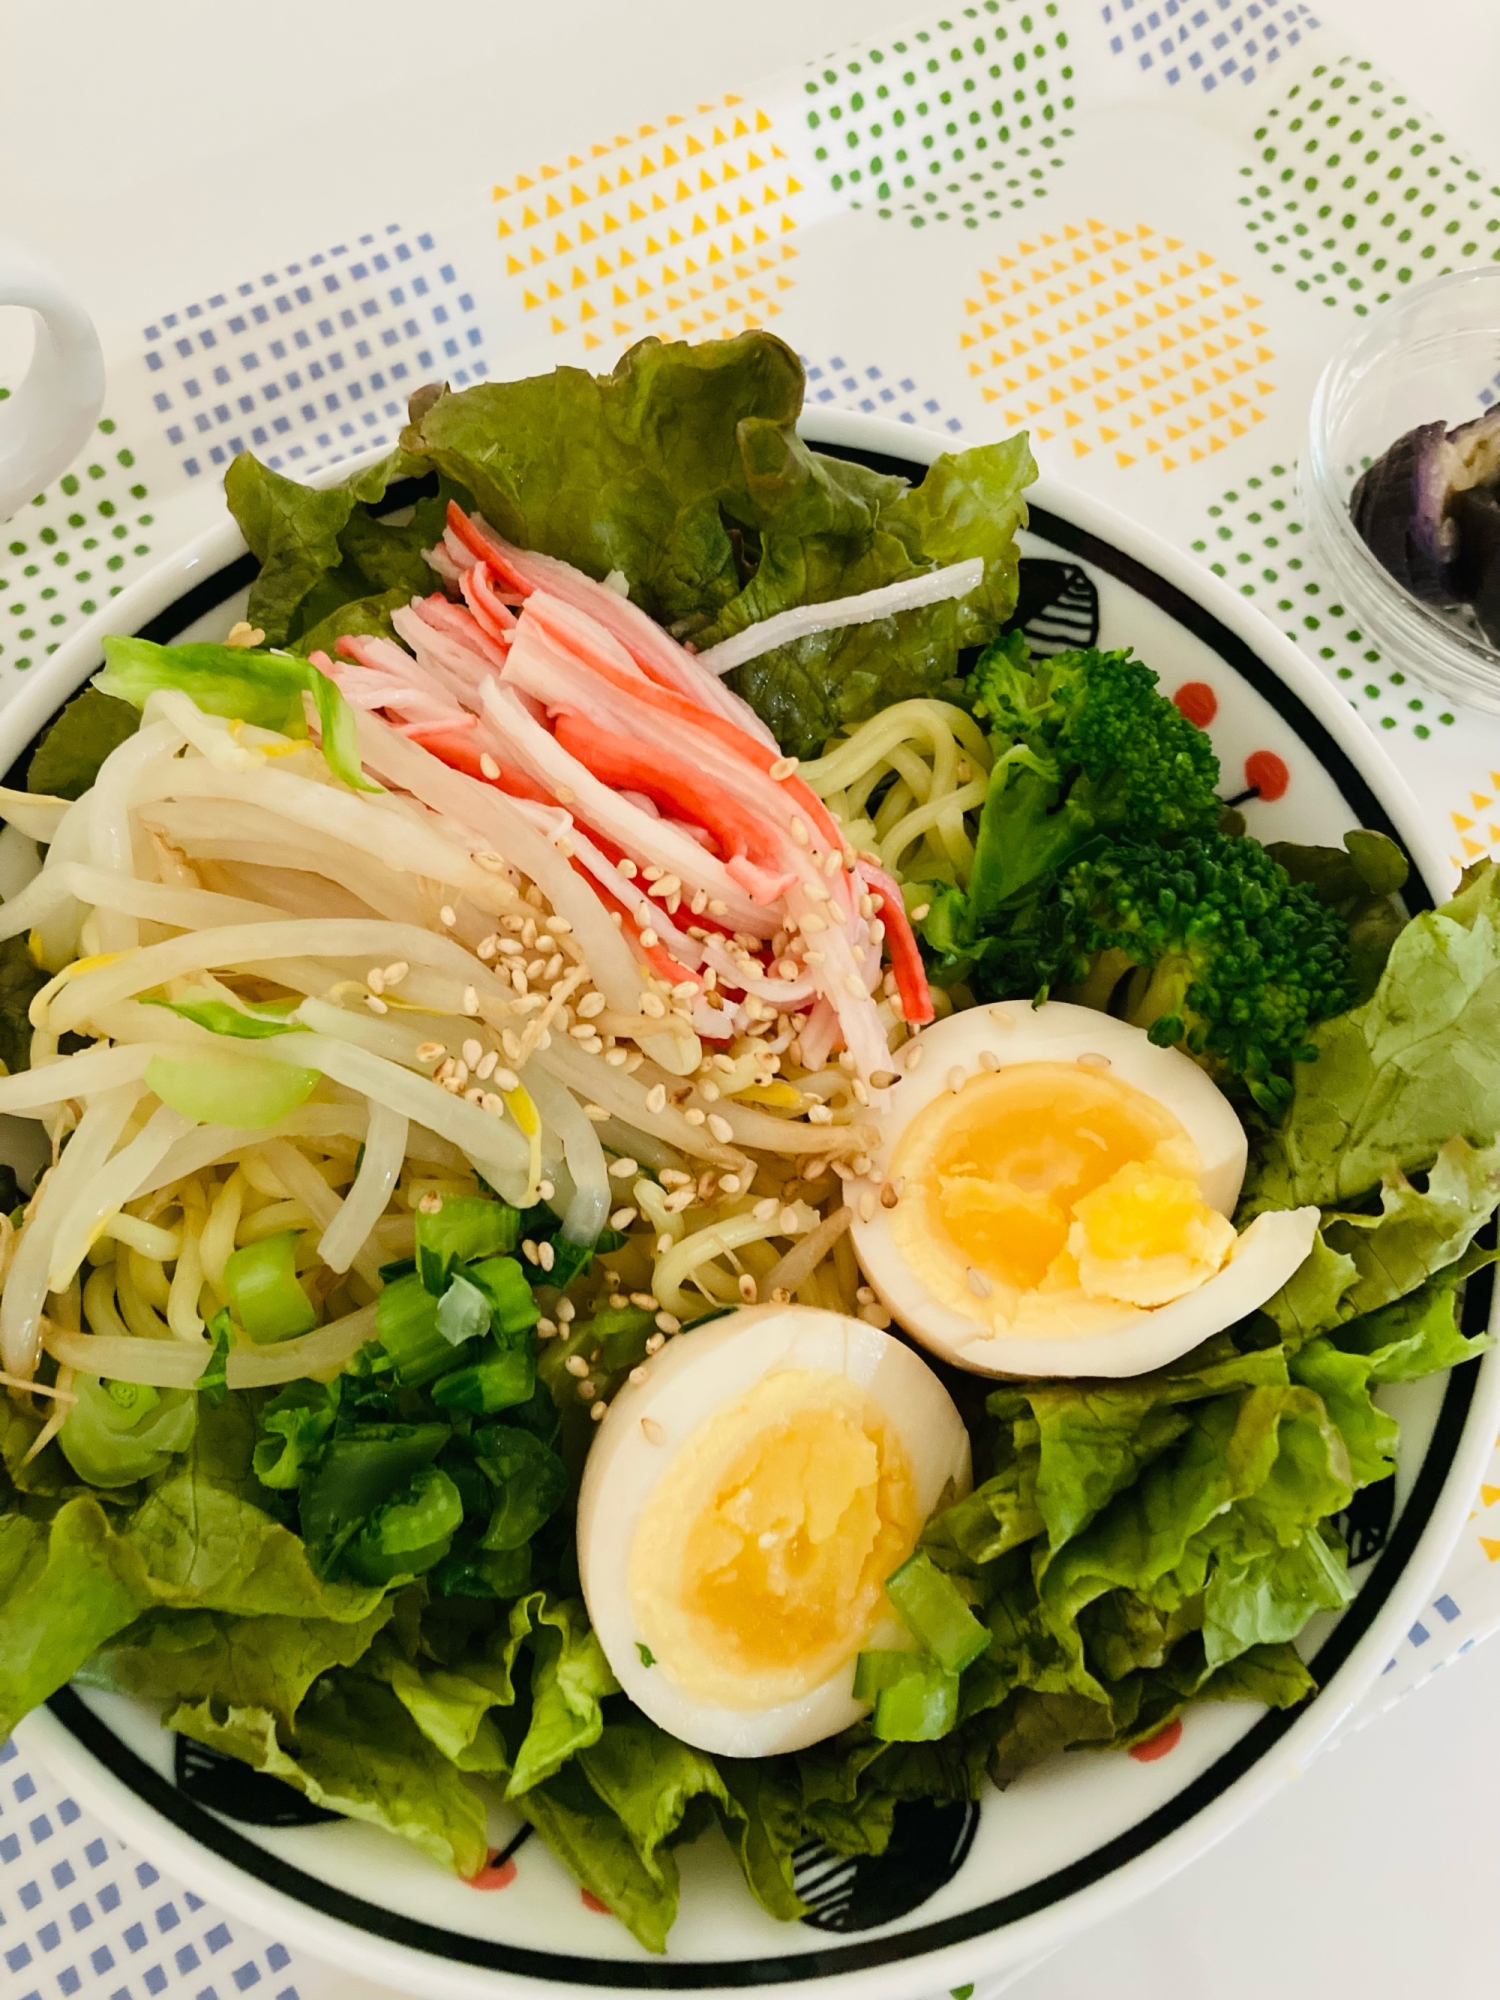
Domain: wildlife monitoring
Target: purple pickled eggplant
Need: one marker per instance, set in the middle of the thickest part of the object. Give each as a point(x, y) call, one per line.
point(1476, 516)
point(1403, 505)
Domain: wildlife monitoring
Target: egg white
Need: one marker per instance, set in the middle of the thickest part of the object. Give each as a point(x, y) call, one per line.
point(1267, 1254)
point(649, 1422)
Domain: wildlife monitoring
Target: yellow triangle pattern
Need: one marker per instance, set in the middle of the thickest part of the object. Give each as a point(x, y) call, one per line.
point(1126, 338)
point(680, 228)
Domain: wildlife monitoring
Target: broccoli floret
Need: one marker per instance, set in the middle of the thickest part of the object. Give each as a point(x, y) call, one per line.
point(1206, 942)
point(1084, 745)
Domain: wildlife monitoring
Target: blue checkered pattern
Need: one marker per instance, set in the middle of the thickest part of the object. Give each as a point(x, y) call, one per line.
point(873, 392)
point(307, 365)
point(1212, 41)
point(79, 1913)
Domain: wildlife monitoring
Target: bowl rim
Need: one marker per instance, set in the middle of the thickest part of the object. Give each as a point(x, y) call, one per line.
point(266, 1899)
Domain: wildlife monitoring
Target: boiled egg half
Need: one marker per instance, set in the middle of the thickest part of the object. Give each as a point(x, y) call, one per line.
point(741, 1509)
point(1051, 1196)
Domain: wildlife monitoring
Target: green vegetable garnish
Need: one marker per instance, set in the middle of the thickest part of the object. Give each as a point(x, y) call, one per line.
point(264, 1292)
point(464, 1228)
point(119, 1432)
point(216, 1089)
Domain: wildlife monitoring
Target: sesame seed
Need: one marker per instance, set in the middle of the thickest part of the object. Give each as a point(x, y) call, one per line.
point(375, 1004)
point(721, 1128)
point(546, 1256)
point(958, 1076)
point(864, 1296)
point(475, 1095)
point(492, 1102)
point(882, 1079)
point(375, 979)
point(623, 1168)
point(781, 1296)
point(819, 1114)
point(488, 765)
point(430, 1204)
point(1094, 1061)
point(637, 1375)
point(564, 794)
point(922, 910)
point(545, 1190)
point(764, 1210)
point(912, 1054)
point(854, 986)
point(576, 1365)
point(473, 1053)
point(833, 861)
point(747, 1288)
point(978, 1283)
point(652, 1431)
point(1002, 1017)
point(889, 1196)
point(649, 939)
point(717, 907)
point(867, 1206)
point(693, 1115)
point(595, 1111)
point(788, 1221)
point(623, 1217)
point(783, 768)
point(729, 1184)
point(591, 1006)
point(656, 1097)
point(471, 1000)
point(447, 916)
point(507, 1080)
point(989, 1060)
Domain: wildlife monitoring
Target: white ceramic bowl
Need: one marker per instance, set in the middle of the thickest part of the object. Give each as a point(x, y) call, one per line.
point(966, 1895)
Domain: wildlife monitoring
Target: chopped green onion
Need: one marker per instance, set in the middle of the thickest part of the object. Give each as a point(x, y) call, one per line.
point(465, 1228)
point(501, 1378)
point(410, 1532)
point(261, 1280)
point(648, 1658)
point(360, 1472)
point(296, 1424)
point(213, 1383)
point(119, 1432)
point(915, 1698)
point(463, 1312)
point(470, 1571)
point(513, 1310)
point(220, 1089)
point(532, 1480)
point(406, 1325)
point(620, 1333)
point(936, 1614)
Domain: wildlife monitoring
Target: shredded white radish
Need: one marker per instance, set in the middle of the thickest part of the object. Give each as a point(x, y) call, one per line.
point(910, 594)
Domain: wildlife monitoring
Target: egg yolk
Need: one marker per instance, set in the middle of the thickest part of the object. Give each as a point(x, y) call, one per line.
point(759, 1564)
point(1049, 1177)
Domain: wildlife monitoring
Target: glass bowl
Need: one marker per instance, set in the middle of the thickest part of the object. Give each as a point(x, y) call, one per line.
point(1434, 354)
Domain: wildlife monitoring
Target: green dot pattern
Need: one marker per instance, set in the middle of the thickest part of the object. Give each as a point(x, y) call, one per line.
point(1257, 542)
point(959, 120)
point(70, 550)
point(1356, 193)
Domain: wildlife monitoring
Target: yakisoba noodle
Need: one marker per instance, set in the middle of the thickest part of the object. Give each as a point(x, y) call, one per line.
point(934, 761)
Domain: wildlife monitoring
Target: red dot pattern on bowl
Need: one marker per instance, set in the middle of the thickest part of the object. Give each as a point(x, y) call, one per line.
point(1198, 702)
point(1159, 1745)
point(591, 1902)
point(1267, 774)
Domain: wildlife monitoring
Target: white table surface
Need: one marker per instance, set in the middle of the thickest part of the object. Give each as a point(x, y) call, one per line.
point(1375, 1876)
